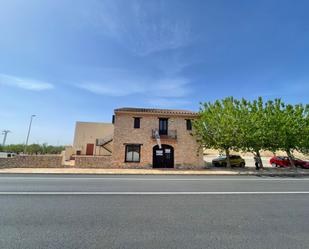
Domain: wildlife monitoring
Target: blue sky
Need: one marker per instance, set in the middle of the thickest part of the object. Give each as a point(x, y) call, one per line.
point(74, 60)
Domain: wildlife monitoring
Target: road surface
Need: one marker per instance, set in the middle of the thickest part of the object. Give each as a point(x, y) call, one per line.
point(85, 211)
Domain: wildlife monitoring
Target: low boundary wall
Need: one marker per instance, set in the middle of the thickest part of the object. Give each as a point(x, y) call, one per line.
point(32, 161)
point(93, 162)
point(56, 161)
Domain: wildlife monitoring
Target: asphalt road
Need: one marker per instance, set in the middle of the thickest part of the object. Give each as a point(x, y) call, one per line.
point(52, 211)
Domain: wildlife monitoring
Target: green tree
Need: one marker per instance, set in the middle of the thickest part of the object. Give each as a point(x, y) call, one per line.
point(286, 127)
point(304, 142)
point(258, 127)
point(34, 149)
point(54, 149)
point(16, 148)
point(252, 132)
point(253, 126)
point(218, 126)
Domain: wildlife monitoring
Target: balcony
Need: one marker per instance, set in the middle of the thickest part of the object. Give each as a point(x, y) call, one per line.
point(171, 134)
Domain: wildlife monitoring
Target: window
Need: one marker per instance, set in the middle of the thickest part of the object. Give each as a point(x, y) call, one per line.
point(137, 123)
point(133, 152)
point(189, 124)
point(163, 124)
point(113, 119)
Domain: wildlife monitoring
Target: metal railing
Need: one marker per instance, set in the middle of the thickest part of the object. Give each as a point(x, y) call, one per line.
point(171, 134)
point(103, 141)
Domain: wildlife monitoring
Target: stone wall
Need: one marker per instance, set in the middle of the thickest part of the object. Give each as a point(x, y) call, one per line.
point(32, 161)
point(187, 153)
point(93, 161)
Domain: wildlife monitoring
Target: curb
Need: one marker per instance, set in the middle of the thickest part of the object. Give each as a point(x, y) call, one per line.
point(170, 173)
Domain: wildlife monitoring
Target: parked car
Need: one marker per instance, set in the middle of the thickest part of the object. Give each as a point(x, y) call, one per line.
point(221, 161)
point(7, 154)
point(283, 161)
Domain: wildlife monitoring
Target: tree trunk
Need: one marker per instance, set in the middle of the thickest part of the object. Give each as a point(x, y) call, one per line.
point(228, 162)
point(259, 156)
point(288, 152)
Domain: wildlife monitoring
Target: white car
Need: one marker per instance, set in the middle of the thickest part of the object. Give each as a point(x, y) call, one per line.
point(7, 154)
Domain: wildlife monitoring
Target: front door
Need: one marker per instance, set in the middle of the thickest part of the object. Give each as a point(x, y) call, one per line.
point(89, 149)
point(164, 157)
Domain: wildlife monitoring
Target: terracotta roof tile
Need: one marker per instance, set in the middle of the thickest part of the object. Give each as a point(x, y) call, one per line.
point(155, 111)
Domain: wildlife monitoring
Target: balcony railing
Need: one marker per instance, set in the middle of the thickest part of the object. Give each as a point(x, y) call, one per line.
point(171, 134)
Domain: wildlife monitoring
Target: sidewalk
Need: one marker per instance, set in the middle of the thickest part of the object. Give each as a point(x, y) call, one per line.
point(211, 171)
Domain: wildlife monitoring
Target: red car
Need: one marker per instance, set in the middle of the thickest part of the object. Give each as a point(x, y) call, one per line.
point(283, 161)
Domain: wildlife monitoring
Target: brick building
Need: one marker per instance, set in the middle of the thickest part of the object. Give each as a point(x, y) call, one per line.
point(136, 143)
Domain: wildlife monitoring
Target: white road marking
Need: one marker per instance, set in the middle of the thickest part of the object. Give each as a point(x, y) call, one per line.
point(156, 193)
point(154, 179)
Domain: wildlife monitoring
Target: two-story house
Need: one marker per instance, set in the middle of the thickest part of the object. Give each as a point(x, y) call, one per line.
point(158, 138)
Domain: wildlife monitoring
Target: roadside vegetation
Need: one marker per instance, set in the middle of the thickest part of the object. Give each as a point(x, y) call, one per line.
point(252, 126)
point(32, 149)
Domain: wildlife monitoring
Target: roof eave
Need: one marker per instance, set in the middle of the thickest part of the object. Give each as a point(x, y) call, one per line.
point(157, 113)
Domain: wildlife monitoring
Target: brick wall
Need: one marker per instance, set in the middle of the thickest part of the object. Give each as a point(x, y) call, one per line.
point(187, 153)
point(93, 161)
point(33, 161)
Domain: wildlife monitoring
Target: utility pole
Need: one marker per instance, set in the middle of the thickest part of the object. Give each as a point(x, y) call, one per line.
point(32, 116)
point(5, 133)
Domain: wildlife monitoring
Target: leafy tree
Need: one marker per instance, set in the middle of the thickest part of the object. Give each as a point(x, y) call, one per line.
point(253, 127)
point(16, 148)
point(271, 124)
point(218, 126)
point(291, 127)
point(275, 126)
point(33, 148)
point(54, 149)
point(258, 127)
point(304, 142)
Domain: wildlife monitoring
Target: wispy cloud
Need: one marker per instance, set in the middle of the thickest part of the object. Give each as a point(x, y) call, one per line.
point(119, 87)
point(175, 87)
point(24, 83)
point(141, 26)
point(168, 92)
